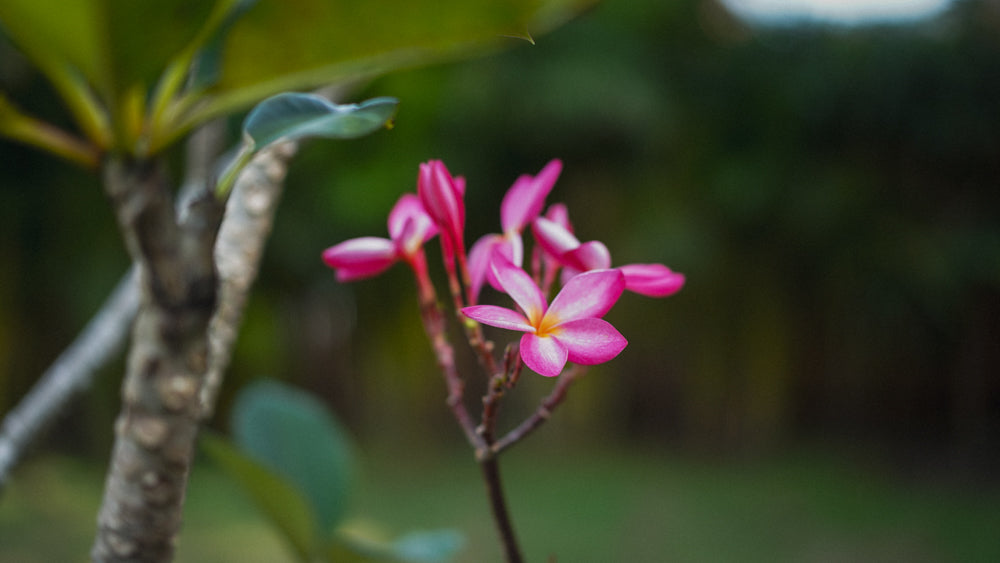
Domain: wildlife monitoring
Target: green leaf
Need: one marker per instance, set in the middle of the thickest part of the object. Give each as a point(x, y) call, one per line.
point(274, 47)
point(282, 503)
point(107, 56)
point(111, 47)
point(63, 38)
point(20, 127)
point(293, 434)
point(293, 116)
point(427, 547)
point(207, 67)
point(431, 546)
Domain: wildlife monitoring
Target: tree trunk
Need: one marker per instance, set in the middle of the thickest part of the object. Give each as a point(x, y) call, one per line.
point(156, 430)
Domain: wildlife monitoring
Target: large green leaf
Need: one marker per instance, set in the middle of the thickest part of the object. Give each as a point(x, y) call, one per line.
point(121, 50)
point(114, 44)
point(281, 502)
point(280, 45)
point(293, 434)
point(61, 37)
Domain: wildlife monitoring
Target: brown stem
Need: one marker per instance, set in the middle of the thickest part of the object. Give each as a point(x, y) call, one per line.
point(494, 489)
point(542, 413)
point(155, 433)
point(498, 384)
point(434, 326)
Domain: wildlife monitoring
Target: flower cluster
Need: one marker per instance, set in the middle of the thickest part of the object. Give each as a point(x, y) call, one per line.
point(571, 327)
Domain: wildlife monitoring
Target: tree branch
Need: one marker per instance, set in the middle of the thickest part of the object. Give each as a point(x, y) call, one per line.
point(71, 373)
point(542, 413)
point(238, 251)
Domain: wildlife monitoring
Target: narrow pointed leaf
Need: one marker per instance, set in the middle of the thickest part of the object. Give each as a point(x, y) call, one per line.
point(207, 66)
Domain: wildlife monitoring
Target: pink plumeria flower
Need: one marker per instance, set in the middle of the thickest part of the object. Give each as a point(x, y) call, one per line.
point(652, 280)
point(570, 329)
point(442, 197)
point(409, 228)
point(558, 213)
point(521, 204)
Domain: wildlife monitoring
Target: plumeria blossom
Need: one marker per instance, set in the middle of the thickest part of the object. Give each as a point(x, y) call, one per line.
point(556, 239)
point(558, 213)
point(409, 228)
point(521, 204)
point(570, 329)
point(442, 197)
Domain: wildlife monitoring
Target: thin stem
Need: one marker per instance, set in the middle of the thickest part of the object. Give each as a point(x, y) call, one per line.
point(498, 385)
point(494, 489)
point(542, 413)
point(434, 326)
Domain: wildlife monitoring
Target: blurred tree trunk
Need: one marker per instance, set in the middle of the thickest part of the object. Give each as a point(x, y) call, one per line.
point(156, 430)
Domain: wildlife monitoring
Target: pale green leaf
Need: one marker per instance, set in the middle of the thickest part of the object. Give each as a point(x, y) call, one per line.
point(369, 544)
point(292, 433)
point(293, 116)
point(280, 502)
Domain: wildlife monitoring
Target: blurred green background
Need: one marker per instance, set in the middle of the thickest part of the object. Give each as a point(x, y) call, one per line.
point(825, 388)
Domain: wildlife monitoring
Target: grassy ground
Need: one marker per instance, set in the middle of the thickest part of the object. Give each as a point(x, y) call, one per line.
point(574, 505)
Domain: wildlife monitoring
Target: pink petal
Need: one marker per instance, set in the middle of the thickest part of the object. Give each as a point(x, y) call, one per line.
point(558, 213)
point(543, 354)
point(554, 238)
point(590, 294)
point(525, 199)
point(510, 247)
point(513, 248)
point(408, 207)
point(590, 341)
point(479, 261)
point(360, 257)
point(568, 273)
point(591, 255)
point(521, 288)
point(653, 280)
point(499, 317)
point(441, 197)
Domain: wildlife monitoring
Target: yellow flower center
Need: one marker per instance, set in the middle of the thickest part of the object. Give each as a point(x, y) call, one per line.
point(547, 326)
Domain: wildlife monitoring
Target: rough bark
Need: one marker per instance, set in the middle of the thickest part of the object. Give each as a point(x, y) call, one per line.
point(249, 218)
point(156, 430)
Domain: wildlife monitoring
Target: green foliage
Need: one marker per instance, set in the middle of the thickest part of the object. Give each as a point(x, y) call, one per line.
point(295, 460)
point(282, 503)
point(414, 547)
point(293, 434)
point(138, 75)
point(292, 116)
